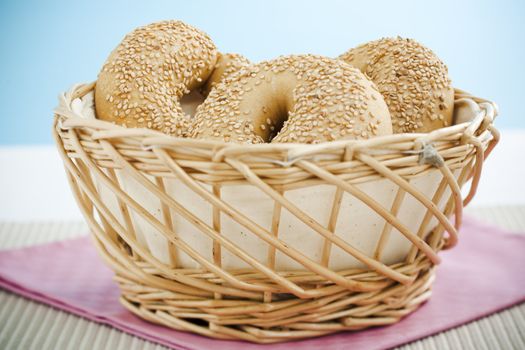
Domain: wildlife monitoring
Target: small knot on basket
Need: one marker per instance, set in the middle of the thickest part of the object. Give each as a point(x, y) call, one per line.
point(429, 155)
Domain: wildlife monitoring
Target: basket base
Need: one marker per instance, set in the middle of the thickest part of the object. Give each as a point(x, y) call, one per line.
point(276, 321)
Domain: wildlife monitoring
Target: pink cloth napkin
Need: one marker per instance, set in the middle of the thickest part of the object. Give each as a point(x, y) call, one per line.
point(482, 275)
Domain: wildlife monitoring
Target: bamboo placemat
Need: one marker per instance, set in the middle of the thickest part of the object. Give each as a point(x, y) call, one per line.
point(29, 325)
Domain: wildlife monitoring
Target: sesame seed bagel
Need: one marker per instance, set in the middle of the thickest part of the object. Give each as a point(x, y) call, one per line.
point(144, 78)
point(226, 65)
point(411, 78)
point(298, 98)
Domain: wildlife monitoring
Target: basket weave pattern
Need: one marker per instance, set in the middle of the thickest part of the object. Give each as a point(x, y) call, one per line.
point(261, 303)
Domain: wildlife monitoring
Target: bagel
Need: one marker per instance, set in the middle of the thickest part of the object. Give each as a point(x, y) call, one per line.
point(298, 98)
point(144, 78)
point(226, 65)
point(412, 79)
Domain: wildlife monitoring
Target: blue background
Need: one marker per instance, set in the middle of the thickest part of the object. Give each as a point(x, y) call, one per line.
point(46, 46)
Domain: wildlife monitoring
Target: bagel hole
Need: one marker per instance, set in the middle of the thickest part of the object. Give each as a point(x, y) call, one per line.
point(191, 101)
point(278, 122)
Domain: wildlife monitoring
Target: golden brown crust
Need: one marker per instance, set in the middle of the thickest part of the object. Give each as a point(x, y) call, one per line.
point(313, 98)
point(142, 81)
point(411, 78)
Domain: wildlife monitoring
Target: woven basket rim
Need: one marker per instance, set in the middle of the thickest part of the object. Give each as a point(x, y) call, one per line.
point(488, 110)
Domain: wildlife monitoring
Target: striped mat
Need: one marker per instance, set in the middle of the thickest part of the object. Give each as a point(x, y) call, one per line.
point(29, 325)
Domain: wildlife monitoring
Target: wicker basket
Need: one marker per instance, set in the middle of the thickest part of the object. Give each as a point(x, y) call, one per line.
point(271, 242)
